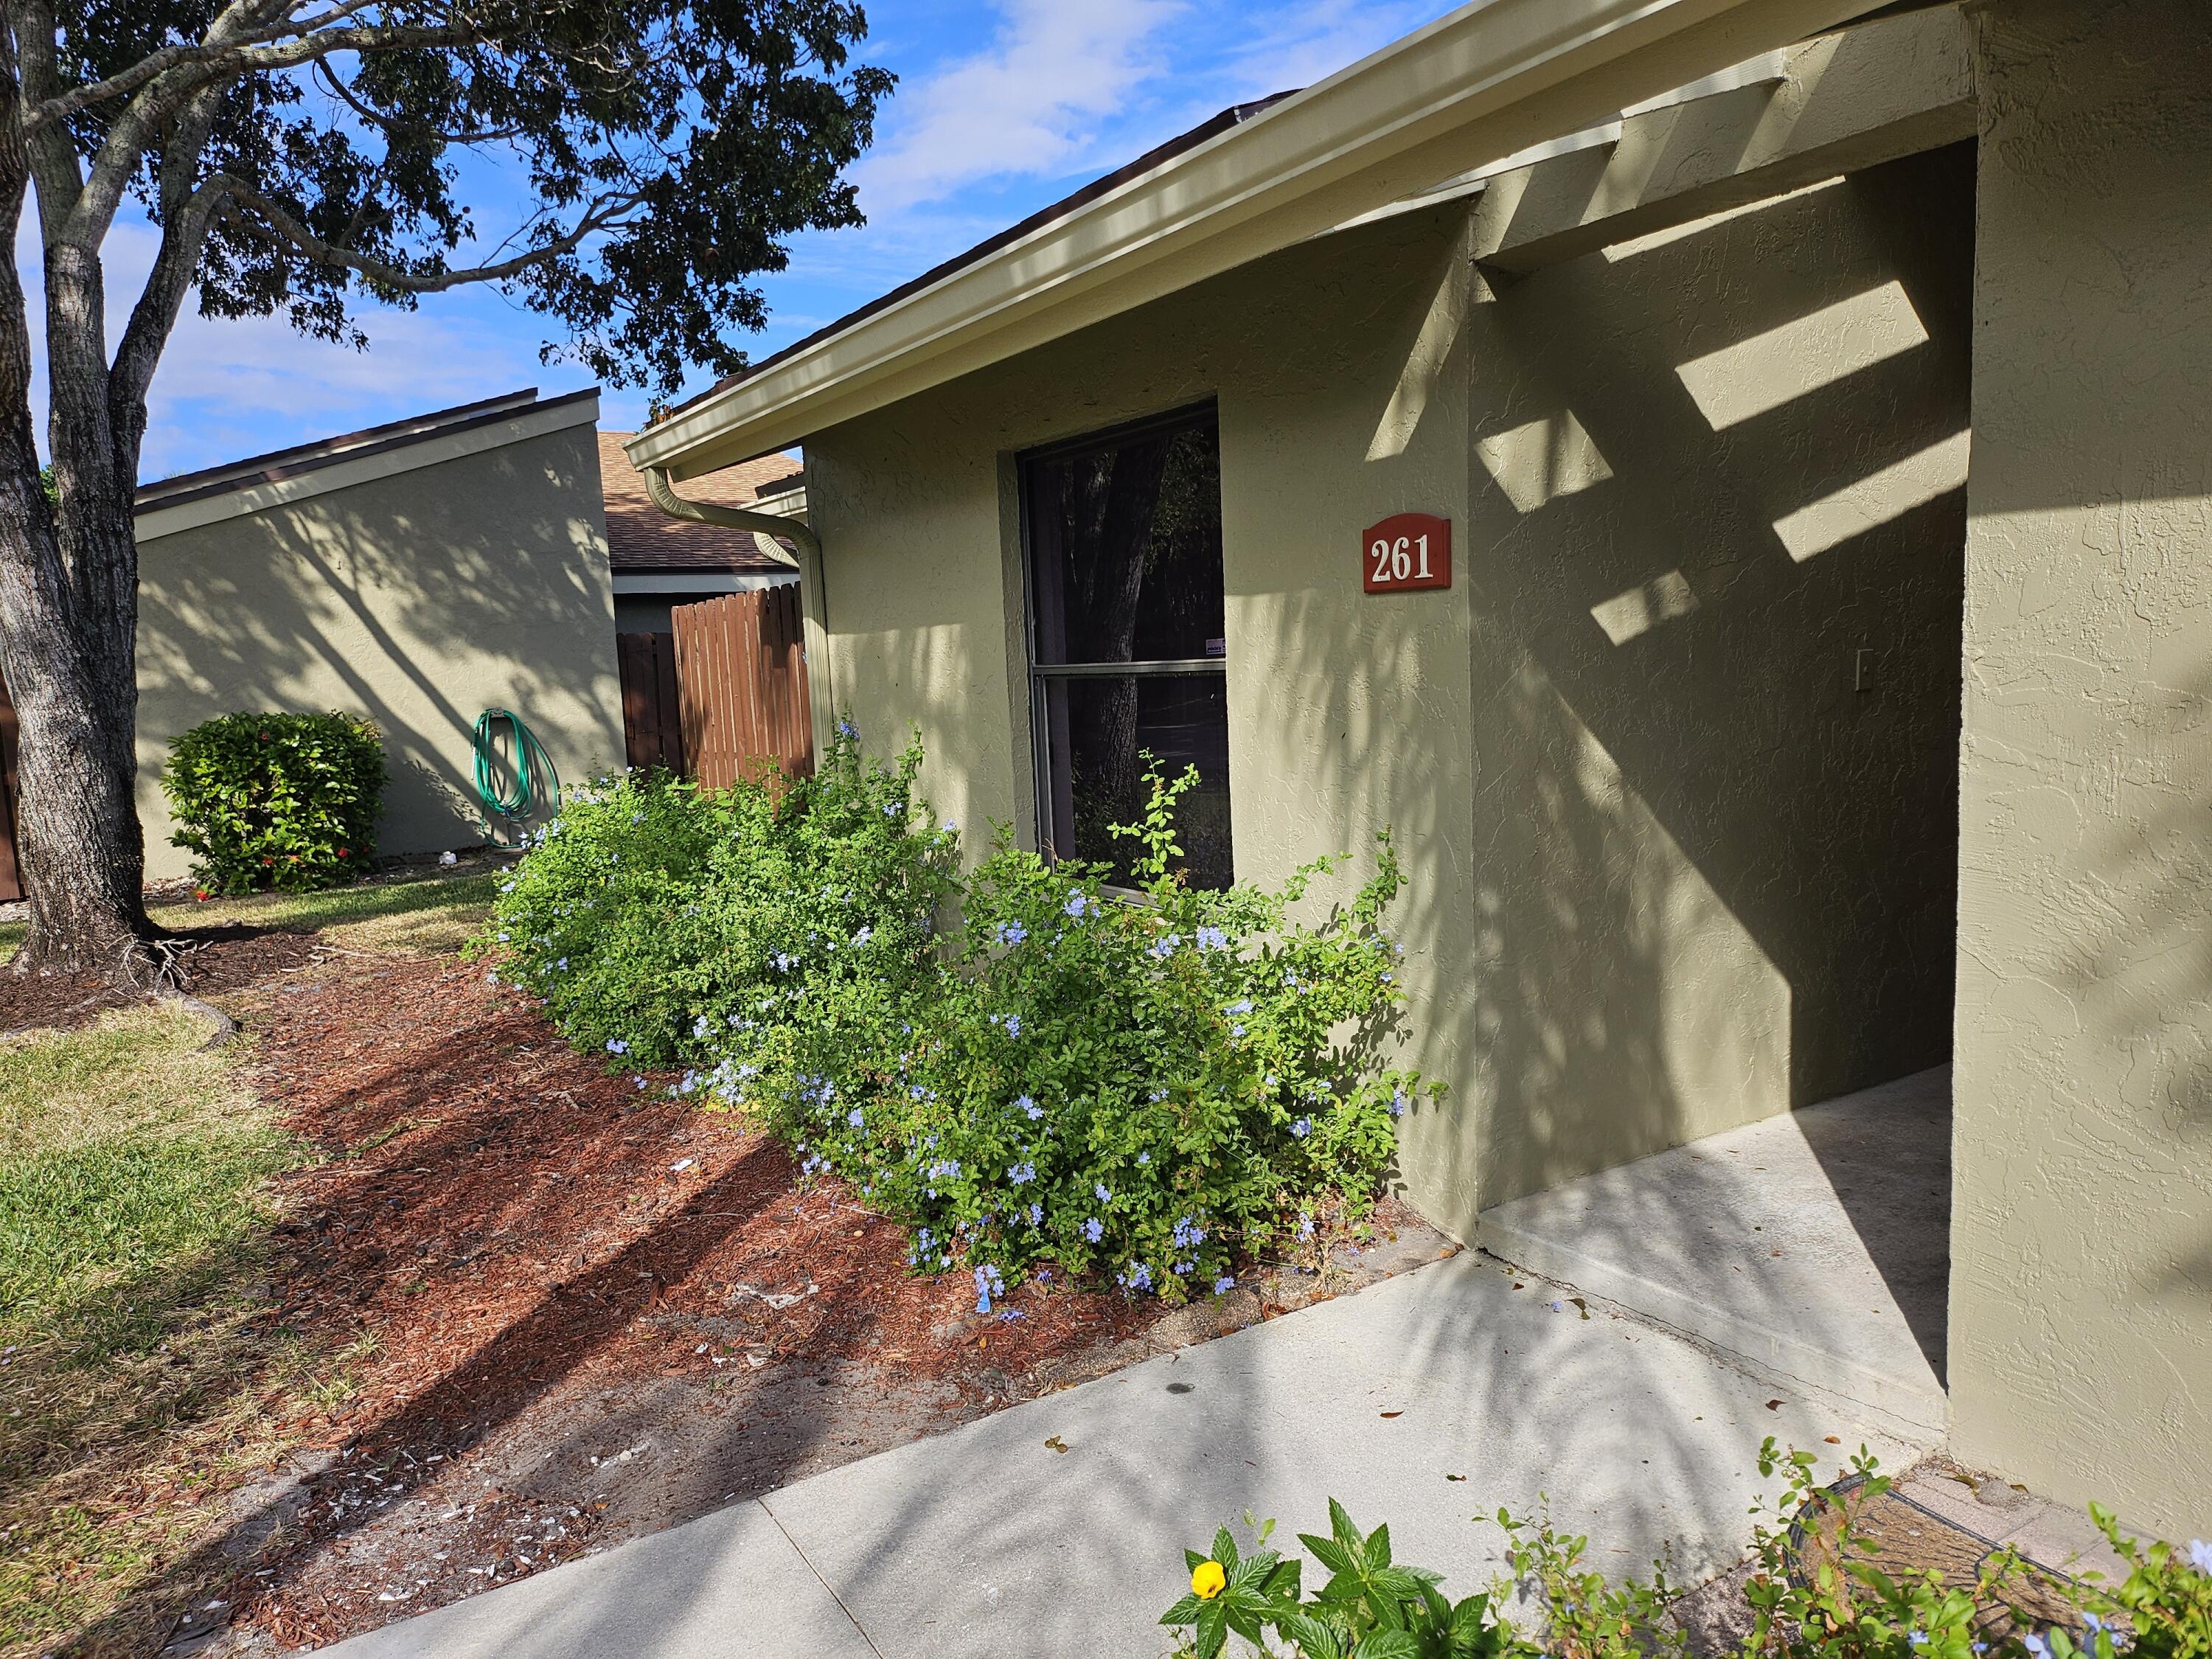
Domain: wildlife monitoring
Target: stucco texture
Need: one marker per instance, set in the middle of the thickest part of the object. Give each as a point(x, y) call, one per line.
point(419, 600)
point(1716, 755)
point(2080, 1336)
point(1670, 870)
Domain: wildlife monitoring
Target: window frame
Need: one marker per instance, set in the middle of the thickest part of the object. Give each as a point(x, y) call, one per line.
point(1205, 412)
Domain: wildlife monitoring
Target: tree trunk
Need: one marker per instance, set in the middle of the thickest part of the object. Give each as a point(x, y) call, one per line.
point(68, 627)
point(74, 681)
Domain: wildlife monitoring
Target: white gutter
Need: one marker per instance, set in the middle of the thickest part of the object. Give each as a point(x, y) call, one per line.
point(821, 693)
point(1493, 78)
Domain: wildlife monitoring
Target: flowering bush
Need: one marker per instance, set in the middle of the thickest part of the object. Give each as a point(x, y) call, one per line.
point(286, 801)
point(1804, 1604)
point(653, 917)
point(1142, 1084)
point(1138, 1085)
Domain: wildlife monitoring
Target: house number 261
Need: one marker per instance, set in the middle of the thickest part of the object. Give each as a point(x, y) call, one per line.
point(1406, 551)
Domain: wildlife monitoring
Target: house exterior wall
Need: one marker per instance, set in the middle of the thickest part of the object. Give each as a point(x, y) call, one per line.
point(419, 599)
point(2080, 1340)
point(1658, 888)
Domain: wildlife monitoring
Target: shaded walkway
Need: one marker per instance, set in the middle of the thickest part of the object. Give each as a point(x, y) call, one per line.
point(1817, 1242)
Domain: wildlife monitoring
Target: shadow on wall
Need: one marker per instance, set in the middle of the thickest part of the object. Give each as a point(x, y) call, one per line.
point(1717, 490)
point(418, 601)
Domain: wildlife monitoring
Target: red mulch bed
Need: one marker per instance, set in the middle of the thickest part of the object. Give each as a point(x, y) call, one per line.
point(214, 961)
point(551, 1258)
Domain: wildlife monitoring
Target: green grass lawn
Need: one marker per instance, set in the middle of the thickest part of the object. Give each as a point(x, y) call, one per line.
point(137, 1193)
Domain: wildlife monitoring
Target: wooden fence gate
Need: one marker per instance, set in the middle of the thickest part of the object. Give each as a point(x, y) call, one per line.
point(652, 730)
point(727, 691)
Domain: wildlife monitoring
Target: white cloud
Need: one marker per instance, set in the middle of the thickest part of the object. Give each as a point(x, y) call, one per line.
point(1029, 105)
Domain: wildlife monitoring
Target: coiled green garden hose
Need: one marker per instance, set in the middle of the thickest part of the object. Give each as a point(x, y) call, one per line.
point(529, 758)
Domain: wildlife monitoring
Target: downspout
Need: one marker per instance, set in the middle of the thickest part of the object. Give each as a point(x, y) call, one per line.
point(820, 692)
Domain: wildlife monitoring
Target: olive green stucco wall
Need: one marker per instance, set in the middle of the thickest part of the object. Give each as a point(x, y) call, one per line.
point(1717, 879)
point(2081, 1339)
point(1659, 887)
point(419, 599)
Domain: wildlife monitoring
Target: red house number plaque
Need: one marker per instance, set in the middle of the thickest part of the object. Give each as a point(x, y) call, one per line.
point(1405, 550)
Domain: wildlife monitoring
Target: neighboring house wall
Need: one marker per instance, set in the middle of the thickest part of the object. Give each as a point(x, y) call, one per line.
point(2080, 1340)
point(418, 599)
point(1657, 889)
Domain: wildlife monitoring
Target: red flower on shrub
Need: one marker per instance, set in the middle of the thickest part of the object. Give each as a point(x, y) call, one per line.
point(342, 852)
point(201, 894)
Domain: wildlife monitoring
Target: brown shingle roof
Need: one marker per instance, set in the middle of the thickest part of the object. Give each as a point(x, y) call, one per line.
point(641, 537)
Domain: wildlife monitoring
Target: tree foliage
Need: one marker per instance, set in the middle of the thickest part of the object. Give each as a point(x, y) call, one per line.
point(296, 156)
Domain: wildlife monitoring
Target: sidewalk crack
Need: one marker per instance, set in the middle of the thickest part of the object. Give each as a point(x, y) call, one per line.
point(819, 1579)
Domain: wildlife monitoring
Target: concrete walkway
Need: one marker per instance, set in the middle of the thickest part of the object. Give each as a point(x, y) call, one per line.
point(988, 1540)
point(1816, 1243)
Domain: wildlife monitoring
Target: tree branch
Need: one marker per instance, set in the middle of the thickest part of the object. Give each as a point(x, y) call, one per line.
point(605, 214)
point(216, 47)
point(187, 215)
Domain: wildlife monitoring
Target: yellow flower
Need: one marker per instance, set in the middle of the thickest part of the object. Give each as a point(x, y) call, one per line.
point(1206, 1579)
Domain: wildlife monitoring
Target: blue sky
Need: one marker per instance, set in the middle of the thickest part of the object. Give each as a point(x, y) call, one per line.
point(1002, 106)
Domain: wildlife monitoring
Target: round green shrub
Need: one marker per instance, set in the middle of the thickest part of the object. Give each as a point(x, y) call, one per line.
point(287, 801)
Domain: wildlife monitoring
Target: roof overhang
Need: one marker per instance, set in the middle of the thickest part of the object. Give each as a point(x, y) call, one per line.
point(1489, 80)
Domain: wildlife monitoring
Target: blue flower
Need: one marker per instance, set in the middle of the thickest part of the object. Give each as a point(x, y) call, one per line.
point(1161, 949)
point(616, 1046)
point(1021, 1173)
point(1398, 1103)
point(863, 936)
point(853, 1117)
point(2200, 1555)
point(847, 729)
point(1224, 1284)
point(1305, 1225)
point(1011, 933)
point(1099, 1187)
point(1030, 1109)
point(987, 1284)
point(1213, 938)
point(1037, 1215)
point(1011, 1315)
point(950, 826)
point(1303, 1127)
point(1144, 1160)
point(1080, 905)
point(1139, 1278)
point(2036, 1645)
point(1243, 1006)
point(1094, 1230)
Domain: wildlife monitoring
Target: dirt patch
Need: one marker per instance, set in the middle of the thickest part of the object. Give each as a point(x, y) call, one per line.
point(213, 961)
point(595, 1311)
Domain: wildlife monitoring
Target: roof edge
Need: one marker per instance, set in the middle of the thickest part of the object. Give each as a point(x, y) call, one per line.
point(1481, 83)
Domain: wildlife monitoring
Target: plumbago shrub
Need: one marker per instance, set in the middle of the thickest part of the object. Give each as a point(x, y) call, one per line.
point(655, 918)
point(286, 801)
point(1140, 1087)
point(1804, 1605)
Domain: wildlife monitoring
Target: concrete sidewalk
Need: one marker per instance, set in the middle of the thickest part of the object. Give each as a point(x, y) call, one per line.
point(987, 1540)
point(1817, 1243)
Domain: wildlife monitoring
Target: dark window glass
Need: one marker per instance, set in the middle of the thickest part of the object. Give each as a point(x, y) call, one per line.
point(1126, 545)
point(1124, 540)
